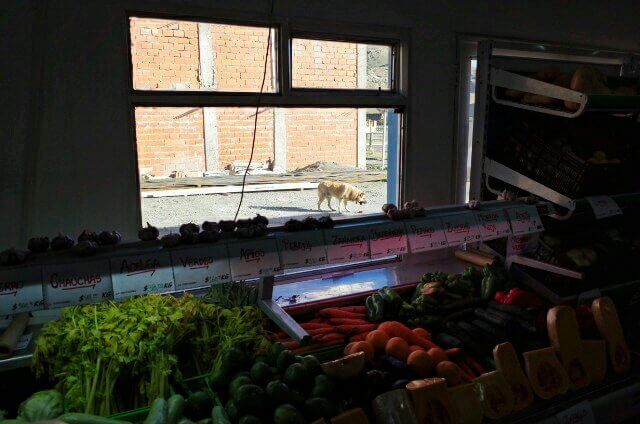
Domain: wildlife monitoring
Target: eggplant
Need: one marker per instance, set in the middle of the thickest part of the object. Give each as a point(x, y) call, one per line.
point(13, 256)
point(227, 226)
point(208, 236)
point(419, 211)
point(387, 207)
point(86, 235)
point(148, 233)
point(171, 240)
point(393, 214)
point(189, 228)
point(244, 223)
point(85, 248)
point(38, 244)
point(189, 237)
point(325, 222)
point(260, 230)
point(109, 238)
point(245, 232)
point(210, 226)
point(62, 242)
point(293, 225)
point(259, 219)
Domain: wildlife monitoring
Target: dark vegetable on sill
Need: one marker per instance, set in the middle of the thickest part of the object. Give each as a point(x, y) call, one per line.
point(189, 228)
point(325, 222)
point(38, 244)
point(310, 223)
point(243, 223)
point(88, 236)
point(393, 214)
point(259, 230)
point(148, 233)
point(419, 212)
point(245, 232)
point(85, 248)
point(109, 238)
point(404, 214)
point(13, 256)
point(259, 219)
point(210, 226)
point(189, 237)
point(227, 226)
point(387, 207)
point(293, 225)
point(62, 242)
point(208, 236)
point(410, 205)
point(473, 204)
point(171, 240)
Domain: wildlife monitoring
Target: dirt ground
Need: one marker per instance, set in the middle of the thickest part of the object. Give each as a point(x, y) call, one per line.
point(278, 206)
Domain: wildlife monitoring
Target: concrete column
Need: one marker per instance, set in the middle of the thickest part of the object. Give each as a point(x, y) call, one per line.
point(279, 139)
point(207, 82)
point(362, 113)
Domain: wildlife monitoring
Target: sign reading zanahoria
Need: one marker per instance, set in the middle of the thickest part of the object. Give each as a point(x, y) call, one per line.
point(347, 244)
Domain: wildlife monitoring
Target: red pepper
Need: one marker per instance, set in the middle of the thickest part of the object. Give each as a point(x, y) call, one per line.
point(519, 297)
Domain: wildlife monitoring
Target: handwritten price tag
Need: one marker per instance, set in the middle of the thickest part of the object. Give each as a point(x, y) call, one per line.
point(525, 220)
point(581, 413)
point(461, 228)
point(493, 224)
point(141, 274)
point(518, 245)
point(305, 248)
point(21, 290)
point(201, 266)
point(604, 206)
point(347, 244)
point(76, 283)
point(23, 341)
point(388, 239)
point(254, 258)
point(426, 234)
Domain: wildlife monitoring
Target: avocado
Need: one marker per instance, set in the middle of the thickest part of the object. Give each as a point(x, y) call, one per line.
point(232, 410)
point(296, 376)
point(233, 360)
point(274, 352)
point(323, 387)
point(198, 406)
point(287, 414)
point(219, 379)
point(261, 373)
point(318, 407)
point(312, 364)
point(250, 419)
point(236, 383)
point(285, 359)
point(250, 399)
point(279, 392)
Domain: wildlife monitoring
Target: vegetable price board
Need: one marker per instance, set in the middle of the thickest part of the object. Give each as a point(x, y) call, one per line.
point(604, 206)
point(525, 220)
point(461, 228)
point(347, 244)
point(388, 239)
point(76, 283)
point(493, 224)
point(21, 290)
point(255, 258)
point(302, 249)
point(141, 274)
point(200, 267)
point(426, 234)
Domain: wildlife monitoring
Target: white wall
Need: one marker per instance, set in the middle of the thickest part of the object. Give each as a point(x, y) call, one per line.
point(78, 169)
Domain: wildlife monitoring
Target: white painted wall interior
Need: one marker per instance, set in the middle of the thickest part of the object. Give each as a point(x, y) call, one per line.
point(66, 159)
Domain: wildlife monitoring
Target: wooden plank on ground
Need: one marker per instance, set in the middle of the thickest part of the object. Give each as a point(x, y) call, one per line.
point(228, 189)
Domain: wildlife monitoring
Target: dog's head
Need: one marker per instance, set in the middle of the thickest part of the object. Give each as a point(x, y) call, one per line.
point(360, 198)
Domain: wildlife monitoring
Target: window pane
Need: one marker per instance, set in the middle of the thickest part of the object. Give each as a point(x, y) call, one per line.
point(191, 161)
point(343, 65)
point(184, 55)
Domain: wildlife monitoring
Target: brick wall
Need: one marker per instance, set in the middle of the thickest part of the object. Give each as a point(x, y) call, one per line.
point(165, 55)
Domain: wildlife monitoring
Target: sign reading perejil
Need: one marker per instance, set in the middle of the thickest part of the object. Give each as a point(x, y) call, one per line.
point(388, 239)
point(141, 274)
point(305, 248)
point(604, 206)
point(254, 258)
point(76, 283)
point(461, 228)
point(200, 266)
point(493, 224)
point(21, 290)
point(525, 220)
point(426, 234)
point(347, 244)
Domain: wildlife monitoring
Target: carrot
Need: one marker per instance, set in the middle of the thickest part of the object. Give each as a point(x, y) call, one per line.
point(465, 369)
point(316, 320)
point(348, 321)
point(313, 347)
point(314, 325)
point(356, 329)
point(359, 337)
point(291, 344)
point(281, 335)
point(324, 338)
point(320, 331)
point(338, 313)
point(474, 365)
point(354, 309)
point(454, 351)
point(396, 329)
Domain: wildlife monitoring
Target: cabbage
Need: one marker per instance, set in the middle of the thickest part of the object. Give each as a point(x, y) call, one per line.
point(44, 405)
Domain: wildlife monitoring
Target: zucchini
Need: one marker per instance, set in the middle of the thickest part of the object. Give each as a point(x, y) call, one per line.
point(78, 418)
point(447, 340)
point(175, 408)
point(454, 316)
point(491, 318)
point(487, 328)
point(523, 323)
point(511, 309)
point(157, 413)
point(218, 415)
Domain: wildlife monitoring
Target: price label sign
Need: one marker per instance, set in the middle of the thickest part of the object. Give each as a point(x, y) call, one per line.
point(23, 341)
point(426, 234)
point(519, 245)
point(604, 206)
point(525, 220)
point(305, 248)
point(493, 224)
point(254, 258)
point(347, 244)
point(461, 228)
point(21, 290)
point(76, 283)
point(141, 274)
point(388, 239)
point(200, 266)
point(581, 413)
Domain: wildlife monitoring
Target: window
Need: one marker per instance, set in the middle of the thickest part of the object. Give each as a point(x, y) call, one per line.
point(195, 88)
